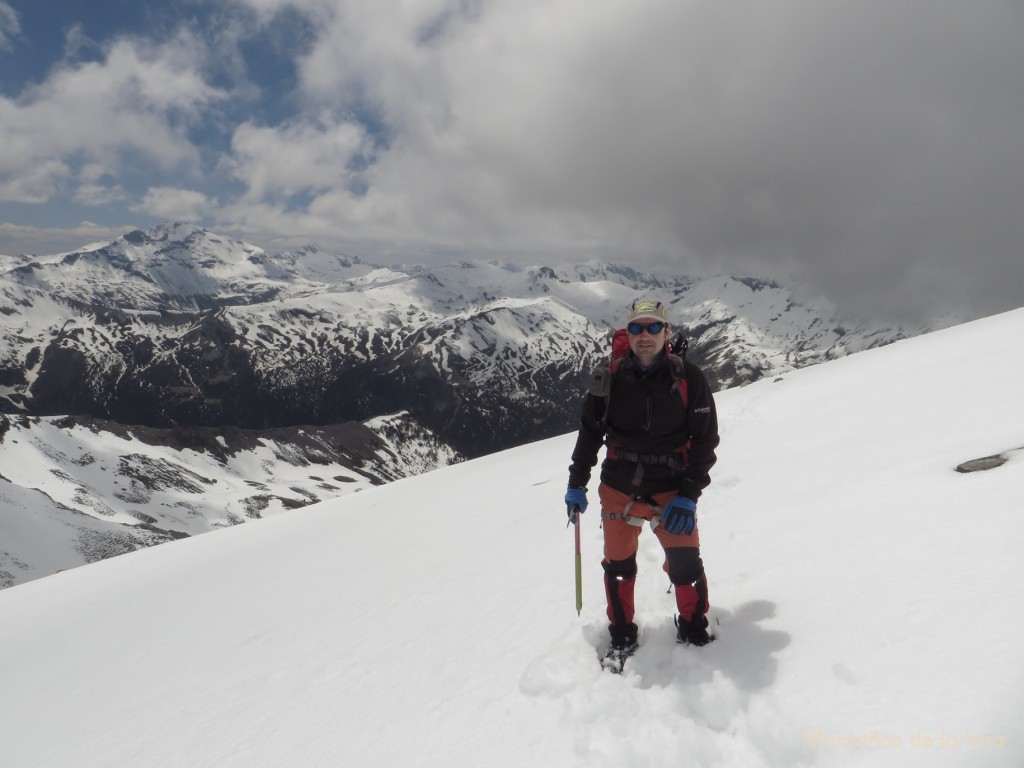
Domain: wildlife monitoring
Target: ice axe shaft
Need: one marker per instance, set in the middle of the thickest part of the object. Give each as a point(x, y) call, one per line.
point(579, 568)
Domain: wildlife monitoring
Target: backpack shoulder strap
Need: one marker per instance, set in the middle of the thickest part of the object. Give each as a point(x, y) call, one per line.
point(678, 366)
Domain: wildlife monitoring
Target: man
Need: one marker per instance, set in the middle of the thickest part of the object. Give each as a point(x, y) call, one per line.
point(660, 447)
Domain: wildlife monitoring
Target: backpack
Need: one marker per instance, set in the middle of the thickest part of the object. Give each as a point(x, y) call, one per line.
point(603, 376)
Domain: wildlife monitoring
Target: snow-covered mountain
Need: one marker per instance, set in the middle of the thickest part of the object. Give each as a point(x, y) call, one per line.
point(865, 596)
point(178, 326)
point(229, 362)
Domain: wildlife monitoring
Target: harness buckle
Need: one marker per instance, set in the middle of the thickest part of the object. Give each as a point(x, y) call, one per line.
point(639, 521)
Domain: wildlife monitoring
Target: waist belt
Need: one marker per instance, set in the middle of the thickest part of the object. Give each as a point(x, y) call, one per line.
point(671, 460)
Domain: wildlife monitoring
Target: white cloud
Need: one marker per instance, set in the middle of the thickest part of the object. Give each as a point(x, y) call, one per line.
point(20, 238)
point(10, 27)
point(858, 146)
point(97, 195)
point(35, 183)
point(132, 107)
point(175, 204)
point(96, 188)
point(276, 163)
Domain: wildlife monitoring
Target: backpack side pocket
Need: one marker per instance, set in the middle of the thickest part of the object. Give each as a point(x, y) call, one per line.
point(600, 382)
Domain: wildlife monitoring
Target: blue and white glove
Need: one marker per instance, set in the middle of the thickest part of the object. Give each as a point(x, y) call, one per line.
point(575, 500)
point(679, 515)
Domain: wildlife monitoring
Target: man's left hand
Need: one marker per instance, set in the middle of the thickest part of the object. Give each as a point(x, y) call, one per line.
point(679, 516)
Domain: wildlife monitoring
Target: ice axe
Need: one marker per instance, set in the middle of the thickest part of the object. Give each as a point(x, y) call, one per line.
point(579, 563)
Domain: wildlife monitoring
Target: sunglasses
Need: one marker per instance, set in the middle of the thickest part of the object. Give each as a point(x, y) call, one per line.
point(654, 329)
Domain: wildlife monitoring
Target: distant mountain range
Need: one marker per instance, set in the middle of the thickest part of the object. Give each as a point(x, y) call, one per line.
point(208, 350)
point(176, 326)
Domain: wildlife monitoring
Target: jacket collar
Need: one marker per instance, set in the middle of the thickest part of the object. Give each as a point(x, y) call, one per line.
point(653, 366)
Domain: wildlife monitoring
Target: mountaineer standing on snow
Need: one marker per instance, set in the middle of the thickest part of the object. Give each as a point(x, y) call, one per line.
point(656, 414)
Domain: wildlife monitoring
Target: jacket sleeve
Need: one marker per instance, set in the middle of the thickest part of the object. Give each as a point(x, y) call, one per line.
point(588, 442)
point(702, 421)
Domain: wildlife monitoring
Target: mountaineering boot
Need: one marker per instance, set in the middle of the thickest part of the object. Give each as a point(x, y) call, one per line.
point(623, 636)
point(623, 645)
point(694, 631)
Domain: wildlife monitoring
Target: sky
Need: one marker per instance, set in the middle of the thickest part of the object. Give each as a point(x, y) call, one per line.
point(868, 152)
point(432, 621)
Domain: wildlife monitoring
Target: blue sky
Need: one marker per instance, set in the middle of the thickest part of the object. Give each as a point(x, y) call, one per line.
point(869, 151)
point(249, 66)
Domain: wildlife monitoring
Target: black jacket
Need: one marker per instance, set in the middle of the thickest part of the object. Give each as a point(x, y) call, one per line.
point(646, 424)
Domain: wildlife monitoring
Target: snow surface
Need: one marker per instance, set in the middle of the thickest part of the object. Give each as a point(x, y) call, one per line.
point(73, 493)
point(866, 596)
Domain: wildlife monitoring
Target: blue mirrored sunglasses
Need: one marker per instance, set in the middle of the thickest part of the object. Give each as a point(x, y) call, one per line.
point(652, 328)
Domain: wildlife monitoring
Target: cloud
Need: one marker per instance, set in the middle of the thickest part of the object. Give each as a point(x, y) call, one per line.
point(133, 107)
point(96, 188)
point(35, 183)
point(97, 195)
point(868, 151)
point(10, 27)
point(175, 204)
point(20, 238)
point(277, 163)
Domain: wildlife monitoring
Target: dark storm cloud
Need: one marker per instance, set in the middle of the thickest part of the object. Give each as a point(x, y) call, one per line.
point(878, 151)
point(870, 150)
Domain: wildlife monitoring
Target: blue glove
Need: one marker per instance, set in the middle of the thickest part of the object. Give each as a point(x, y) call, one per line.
point(575, 499)
point(679, 515)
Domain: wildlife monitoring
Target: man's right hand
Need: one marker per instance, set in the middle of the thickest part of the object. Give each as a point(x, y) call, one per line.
point(575, 502)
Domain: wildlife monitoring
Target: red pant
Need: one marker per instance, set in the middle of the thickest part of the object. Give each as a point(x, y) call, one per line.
point(621, 541)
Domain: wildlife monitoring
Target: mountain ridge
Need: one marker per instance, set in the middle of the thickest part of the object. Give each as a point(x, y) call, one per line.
point(177, 325)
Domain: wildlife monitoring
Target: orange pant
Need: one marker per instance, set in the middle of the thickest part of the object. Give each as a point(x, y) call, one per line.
point(621, 541)
point(622, 538)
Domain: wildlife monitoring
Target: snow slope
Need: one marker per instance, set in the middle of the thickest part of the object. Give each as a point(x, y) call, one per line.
point(866, 595)
point(74, 491)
